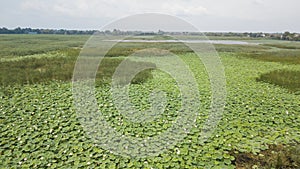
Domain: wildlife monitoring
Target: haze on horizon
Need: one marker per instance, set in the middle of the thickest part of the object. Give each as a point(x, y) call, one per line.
point(206, 15)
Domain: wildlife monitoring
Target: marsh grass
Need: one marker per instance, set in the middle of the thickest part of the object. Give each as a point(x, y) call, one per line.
point(128, 48)
point(284, 78)
point(44, 69)
point(284, 45)
point(22, 45)
point(108, 67)
point(240, 48)
point(282, 56)
point(277, 157)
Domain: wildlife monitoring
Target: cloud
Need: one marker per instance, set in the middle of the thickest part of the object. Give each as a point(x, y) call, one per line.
point(33, 5)
point(112, 8)
point(184, 10)
point(272, 14)
point(258, 2)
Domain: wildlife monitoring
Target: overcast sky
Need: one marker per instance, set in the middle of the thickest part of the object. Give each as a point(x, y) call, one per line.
point(206, 15)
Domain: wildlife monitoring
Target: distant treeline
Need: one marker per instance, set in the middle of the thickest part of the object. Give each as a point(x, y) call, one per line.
point(45, 31)
point(281, 36)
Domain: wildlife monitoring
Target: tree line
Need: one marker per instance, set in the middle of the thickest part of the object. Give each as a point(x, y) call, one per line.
point(19, 30)
point(280, 36)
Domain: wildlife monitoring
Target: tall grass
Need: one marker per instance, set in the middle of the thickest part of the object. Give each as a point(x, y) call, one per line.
point(284, 45)
point(22, 45)
point(282, 56)
point(45, 69)
point(128, 48)
point(108, 67)
point(240, 48)
point(284, 78)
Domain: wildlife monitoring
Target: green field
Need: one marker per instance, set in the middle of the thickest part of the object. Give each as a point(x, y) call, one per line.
point(260, 126)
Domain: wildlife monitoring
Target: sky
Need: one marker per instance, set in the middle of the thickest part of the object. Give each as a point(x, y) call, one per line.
point(206, 15)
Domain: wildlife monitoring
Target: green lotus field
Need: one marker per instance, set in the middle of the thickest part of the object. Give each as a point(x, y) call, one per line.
point(39, 127)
